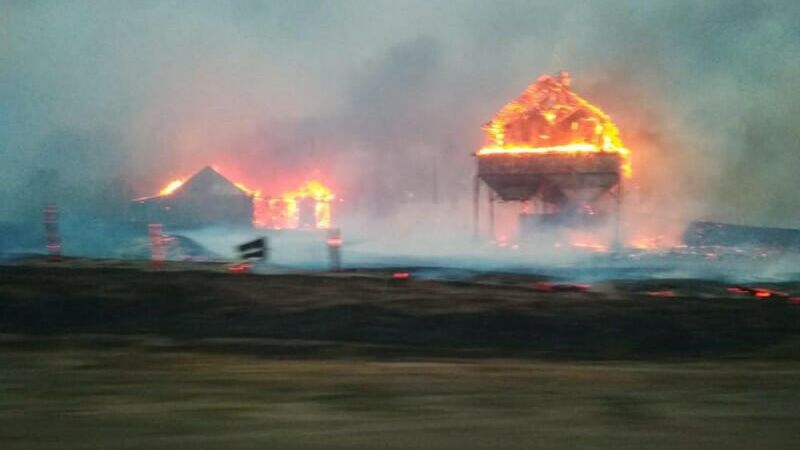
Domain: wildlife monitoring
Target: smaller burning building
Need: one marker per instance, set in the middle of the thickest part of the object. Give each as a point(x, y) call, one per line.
point(307, 207)
point(205, 199)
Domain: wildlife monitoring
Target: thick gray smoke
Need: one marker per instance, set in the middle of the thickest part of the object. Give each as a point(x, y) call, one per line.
point(105, 100)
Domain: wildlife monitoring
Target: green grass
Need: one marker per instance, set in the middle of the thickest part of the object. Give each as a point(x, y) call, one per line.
point(71, 398)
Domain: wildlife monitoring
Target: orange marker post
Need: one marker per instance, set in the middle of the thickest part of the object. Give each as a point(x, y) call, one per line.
point(334, 249)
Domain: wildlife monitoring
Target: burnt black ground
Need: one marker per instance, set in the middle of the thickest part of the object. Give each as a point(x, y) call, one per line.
point(368, 313)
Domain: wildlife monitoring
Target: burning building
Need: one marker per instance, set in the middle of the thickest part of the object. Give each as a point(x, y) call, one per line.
point(556, 154)
point(205, 199)
point(307, 207)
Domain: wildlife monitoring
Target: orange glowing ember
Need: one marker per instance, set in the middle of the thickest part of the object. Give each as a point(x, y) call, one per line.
point(591, 246)
point(548, 118)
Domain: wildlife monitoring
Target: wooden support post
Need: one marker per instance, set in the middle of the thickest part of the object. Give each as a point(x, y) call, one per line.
point(158, 251)
point(490, 197)
point(334, 242)
point(617, 244)
point(53, 237)
point(476, 216)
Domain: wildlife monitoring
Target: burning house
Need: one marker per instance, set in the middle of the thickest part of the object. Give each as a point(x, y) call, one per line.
point(556, 154)
point(205, 199)
point(307, 207)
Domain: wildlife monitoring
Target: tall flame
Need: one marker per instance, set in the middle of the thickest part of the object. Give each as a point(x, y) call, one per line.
point(313, 189)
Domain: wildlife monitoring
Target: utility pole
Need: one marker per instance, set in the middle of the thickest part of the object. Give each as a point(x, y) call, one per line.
point(435, 180)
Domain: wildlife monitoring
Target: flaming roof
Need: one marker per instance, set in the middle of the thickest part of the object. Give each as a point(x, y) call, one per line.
point(209, 181)
point(549, 118)
point(205, 181)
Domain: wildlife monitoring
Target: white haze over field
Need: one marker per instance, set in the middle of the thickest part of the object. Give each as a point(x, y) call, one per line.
point(103, 101)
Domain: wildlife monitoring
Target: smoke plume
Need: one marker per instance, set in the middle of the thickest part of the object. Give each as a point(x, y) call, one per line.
point(106, 100)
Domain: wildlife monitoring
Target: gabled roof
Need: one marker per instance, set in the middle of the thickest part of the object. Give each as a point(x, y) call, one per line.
point(549, 98)
point(209, 182)
point(547, 95)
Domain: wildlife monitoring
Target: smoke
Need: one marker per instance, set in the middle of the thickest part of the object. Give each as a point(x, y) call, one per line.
point(104, 100)
point(705, 106)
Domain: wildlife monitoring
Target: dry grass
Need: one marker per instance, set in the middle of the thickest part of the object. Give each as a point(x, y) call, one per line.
point(71, 399)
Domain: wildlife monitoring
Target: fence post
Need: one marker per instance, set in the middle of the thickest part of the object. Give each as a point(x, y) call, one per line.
point(50, 219)
point(157, 251)
point(334, 242)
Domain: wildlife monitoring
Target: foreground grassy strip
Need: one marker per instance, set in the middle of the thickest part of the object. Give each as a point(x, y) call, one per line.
point(613, 320)
point(71, 398)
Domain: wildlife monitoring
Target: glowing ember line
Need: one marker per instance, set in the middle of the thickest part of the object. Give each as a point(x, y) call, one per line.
point(255, 193)
point(571, 149)
point(171, 187)
point(574, 148)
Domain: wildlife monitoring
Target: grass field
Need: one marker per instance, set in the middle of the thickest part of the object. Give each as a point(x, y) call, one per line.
point(115, 356)
point(70, 398)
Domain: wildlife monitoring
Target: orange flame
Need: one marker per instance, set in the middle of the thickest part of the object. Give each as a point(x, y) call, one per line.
point(255, 193)
point(282, 211)
point(586, 240)
point(287, 205)
point(548, 118)
point(171, 187)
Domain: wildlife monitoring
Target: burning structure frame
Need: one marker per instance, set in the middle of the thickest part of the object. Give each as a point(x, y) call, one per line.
point(557, 154)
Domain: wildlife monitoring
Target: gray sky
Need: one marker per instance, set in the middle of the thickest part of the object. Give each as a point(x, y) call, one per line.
point(370, 93)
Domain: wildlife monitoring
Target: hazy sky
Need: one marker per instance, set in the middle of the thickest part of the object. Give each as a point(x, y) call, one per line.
point(372, 94)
